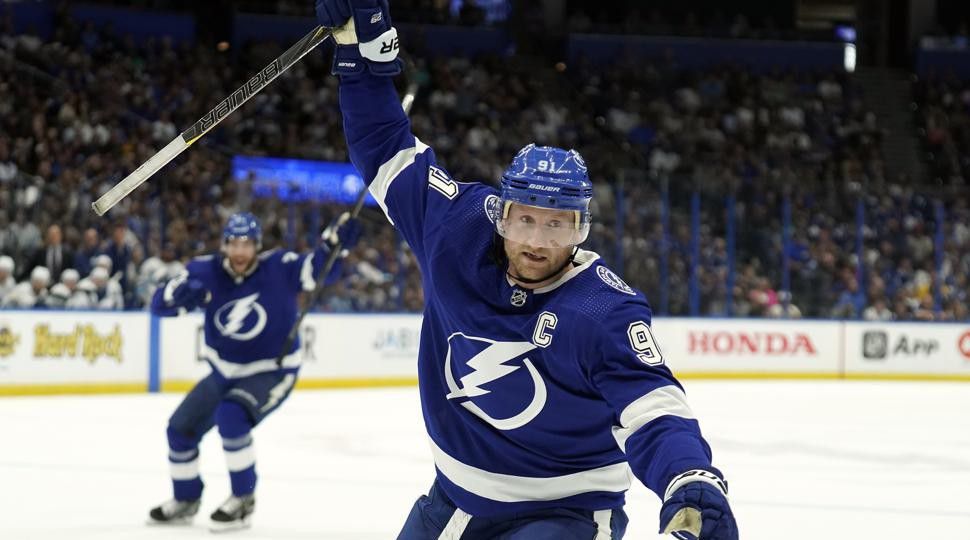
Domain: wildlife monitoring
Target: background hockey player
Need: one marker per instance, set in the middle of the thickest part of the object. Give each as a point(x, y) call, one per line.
point(250, 301)
point(540, 378)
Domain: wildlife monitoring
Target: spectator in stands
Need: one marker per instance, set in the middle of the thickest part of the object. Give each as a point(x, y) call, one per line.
point(877, 311)
point(7, 281)
point(8, 239)
point(90, 248)
point(57, 297)
point(32, 293)
point(121, 252)
point(54, 255)
point(70, 278)
point(26, 233)
point(103, 291)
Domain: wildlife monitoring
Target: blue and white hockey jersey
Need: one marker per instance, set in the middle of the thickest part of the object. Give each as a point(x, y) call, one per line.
point(248, 318)
point(531, 399)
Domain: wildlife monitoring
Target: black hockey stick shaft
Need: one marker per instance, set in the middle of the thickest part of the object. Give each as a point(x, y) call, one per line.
point(321, 277)
point(202, 126)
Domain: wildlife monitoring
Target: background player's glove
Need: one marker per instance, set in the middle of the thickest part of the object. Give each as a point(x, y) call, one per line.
point(189, 295)
point(364, 36)
point(343, 230)
point(696, 508)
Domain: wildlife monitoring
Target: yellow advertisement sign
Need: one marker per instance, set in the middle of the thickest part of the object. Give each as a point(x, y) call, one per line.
point(84, 342)
point(8, 342)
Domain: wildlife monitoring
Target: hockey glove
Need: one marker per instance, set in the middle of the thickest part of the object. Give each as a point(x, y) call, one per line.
point(190, 294)
point(364, 36)
point(344, 231)
point(696, 508)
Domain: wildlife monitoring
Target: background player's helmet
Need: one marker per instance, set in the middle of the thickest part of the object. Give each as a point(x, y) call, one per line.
point(243, 225)
point(545, 177)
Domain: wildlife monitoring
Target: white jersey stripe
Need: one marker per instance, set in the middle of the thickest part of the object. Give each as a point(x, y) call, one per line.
point(307, 278)
point(456, 525)
point(602, 519)
point(664, 401)
point(510, 488)
point(390, 170)
point(233, 370)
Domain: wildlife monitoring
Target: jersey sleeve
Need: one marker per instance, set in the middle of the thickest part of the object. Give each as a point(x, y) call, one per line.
point(198, 268)
point(398, 168)
point(653, 424)
point(300, 270)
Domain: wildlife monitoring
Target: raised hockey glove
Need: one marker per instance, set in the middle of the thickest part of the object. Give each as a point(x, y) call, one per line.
point(344, 231)
point(696, 508)
point(365, 38)
point(189, 295)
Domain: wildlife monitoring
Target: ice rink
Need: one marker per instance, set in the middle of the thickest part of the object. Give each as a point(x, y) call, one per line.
point(805, 460)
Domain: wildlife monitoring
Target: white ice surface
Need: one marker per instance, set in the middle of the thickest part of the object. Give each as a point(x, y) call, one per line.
point(805, 461)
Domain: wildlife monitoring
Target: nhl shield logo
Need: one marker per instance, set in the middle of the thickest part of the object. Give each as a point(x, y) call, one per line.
point(518, 297)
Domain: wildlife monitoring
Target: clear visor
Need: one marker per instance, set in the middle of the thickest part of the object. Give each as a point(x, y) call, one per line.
point(539, 227)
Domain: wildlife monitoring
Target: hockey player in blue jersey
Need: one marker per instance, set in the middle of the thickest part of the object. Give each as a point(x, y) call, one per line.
point(541, 382)
point(250, 302)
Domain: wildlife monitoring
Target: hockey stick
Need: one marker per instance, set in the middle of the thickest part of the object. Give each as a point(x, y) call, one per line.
point(321, 277)
point(232, 102)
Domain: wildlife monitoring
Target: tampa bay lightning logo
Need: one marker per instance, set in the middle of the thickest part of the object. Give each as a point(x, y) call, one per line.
point(493, 208)
point(488, 364)
point(241, 319)
point(610, 278)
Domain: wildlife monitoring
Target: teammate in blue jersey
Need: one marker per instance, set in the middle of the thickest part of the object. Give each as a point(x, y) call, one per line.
point(541, 382)
point(250, 302)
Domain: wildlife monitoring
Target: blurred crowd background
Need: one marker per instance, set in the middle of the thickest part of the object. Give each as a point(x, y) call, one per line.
point(84, 108)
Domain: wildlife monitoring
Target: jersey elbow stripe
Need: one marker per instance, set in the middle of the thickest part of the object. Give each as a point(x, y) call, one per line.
point(664, 401)
point(168, 295)
point(390, 170)
point(306, 274)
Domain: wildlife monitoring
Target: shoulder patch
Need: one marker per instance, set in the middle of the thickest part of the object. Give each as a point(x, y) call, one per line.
point(493, 207)
point(610, 278)
point(203, 258)
point(266, 254)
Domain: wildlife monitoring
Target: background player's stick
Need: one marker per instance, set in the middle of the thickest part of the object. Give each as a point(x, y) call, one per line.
point(210, 120)
point(406, 102)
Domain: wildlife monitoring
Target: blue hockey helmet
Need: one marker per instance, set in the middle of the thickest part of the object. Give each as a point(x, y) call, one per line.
point(243, 225)
point(551, 179)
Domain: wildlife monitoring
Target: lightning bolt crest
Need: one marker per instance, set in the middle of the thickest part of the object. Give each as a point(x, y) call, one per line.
point(237, 315)
point(489, 365)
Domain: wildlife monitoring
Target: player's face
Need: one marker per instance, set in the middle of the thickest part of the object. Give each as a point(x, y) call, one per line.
point(526, 258)
point(241, 252)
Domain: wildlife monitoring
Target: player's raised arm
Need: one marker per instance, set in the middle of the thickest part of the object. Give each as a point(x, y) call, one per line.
point(302, 270)
point(656, 428)
point(181, 294)
point(393, 162)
